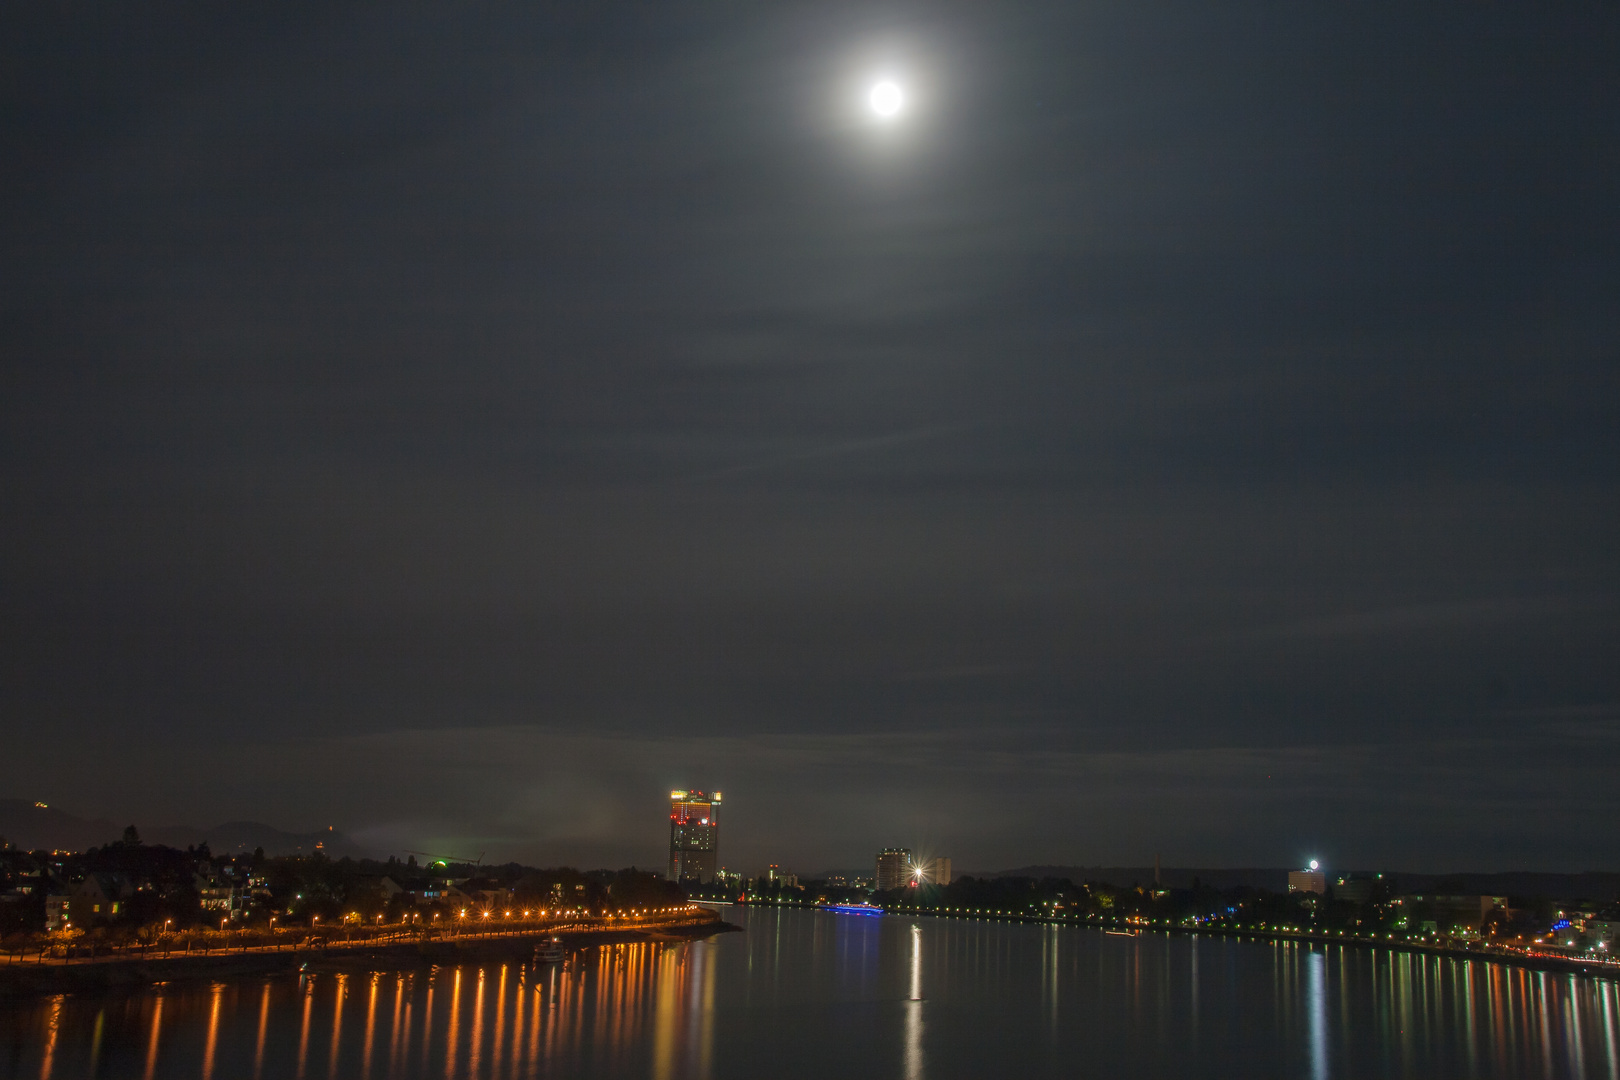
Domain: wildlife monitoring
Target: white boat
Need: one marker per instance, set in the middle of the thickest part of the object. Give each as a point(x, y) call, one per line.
point(551, 952)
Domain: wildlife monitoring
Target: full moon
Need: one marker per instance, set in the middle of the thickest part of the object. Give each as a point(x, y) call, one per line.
point(886, 99)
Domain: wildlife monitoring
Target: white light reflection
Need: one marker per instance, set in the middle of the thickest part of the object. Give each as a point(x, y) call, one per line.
point(1049, 980)
point(1316, 1006)
point(914, 1024)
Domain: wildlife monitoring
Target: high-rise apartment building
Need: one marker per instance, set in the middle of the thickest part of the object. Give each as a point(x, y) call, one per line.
point(694, 836)
point(894, 869)
point(935, 871)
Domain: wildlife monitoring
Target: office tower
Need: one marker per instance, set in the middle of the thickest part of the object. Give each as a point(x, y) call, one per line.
point(894, 868)
point(1311, 880)
point(694, 836)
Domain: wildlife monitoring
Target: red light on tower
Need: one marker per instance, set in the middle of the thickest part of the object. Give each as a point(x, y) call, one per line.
point(694, 828)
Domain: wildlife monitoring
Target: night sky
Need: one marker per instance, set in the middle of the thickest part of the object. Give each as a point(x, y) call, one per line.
point(1188, 429)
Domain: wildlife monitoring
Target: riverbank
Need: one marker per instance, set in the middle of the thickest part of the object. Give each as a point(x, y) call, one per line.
point(1532, 961)
point(132, 972)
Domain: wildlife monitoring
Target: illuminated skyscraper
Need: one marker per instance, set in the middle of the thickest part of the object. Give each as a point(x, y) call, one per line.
point(694, 836)
point(894, 868)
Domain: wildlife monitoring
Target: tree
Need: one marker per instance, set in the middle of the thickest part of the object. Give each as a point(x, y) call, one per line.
point(132, 835)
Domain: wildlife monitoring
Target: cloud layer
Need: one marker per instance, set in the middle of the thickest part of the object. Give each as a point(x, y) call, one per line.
point(1182, 392)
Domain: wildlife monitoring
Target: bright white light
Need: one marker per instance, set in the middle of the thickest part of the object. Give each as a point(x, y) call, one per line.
point(886, 99)
point(1313, 864)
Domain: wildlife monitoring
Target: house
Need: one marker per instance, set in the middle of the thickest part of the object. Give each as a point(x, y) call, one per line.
point(492, 899)
point(99, 898)
point(452, 896)
point(1601, 934)
point(220, 897)
point(57, 914)
point(380, 884)
point(23, 887)
point(1464, 915)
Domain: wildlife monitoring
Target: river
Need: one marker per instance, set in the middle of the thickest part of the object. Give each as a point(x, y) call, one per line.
point(811, 994)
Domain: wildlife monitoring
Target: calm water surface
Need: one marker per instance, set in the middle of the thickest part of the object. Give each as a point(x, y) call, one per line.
point(818, 995)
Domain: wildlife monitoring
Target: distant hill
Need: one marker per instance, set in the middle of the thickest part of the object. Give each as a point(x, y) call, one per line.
point(1594, 885)
point(29, 826)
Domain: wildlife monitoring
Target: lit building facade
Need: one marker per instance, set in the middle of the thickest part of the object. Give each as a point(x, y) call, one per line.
point(894, 868)
point(1311, 881)
point(935, 871)
point(694, 836)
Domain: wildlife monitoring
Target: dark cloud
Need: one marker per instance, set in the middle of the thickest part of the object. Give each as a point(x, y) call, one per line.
point(1179, 392)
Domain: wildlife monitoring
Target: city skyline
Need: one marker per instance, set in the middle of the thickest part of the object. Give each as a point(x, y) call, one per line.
point(65, 831)
point(57, 828)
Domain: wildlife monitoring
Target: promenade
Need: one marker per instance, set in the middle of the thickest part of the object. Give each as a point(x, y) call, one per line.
point(216, 954)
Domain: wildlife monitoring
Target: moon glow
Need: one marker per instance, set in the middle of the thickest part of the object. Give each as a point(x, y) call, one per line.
point(886, 99)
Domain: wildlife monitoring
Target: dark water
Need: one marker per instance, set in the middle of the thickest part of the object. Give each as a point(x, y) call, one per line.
point(806, 994)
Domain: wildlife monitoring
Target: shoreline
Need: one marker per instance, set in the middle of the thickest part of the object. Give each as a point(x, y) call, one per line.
point(1533, 962)
point(136, 972)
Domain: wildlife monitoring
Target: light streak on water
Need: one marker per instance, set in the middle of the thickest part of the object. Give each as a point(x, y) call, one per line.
point(850, 995)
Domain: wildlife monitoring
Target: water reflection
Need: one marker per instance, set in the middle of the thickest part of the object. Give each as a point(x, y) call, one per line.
point(914, 1007)
point(1316, 1010)
point(264, 1027)
point(52, 1028)
point(152, 1042)
point(308, 989)
point(95, 1041)
point(851, 996)
point(213, 1035)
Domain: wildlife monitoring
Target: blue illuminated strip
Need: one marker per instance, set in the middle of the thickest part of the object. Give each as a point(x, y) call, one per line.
point(853, 909)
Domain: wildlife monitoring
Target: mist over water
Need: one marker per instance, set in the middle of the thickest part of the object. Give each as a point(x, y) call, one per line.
point(806, 993)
